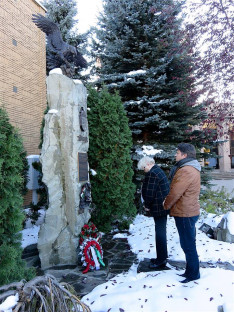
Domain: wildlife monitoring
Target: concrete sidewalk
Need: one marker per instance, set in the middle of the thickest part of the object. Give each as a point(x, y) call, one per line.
point(227, 184)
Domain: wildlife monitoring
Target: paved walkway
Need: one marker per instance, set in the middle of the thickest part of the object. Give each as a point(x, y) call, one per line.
point(227, 184)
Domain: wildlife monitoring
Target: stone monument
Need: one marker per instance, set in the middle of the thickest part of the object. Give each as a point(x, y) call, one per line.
point(65, 169)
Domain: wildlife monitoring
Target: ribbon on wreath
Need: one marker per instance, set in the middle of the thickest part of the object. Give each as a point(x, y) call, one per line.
point(92, 254)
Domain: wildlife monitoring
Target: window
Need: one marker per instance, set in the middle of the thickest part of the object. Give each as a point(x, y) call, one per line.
point(14, 42)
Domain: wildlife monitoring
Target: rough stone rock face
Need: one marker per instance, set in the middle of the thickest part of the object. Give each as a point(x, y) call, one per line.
point(63, 139)
point(225, 229)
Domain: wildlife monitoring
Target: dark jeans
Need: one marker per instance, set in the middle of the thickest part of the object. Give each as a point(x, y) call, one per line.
point(161, 238)
point(187, 234)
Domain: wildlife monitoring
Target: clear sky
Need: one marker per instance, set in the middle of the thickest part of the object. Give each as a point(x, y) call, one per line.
point(87, 13)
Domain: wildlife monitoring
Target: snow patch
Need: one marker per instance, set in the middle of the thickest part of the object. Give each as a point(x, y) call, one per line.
point(136, 72)
point(53, 111)
point(148, 150)
point(230, 221)
point(9, 303)
point(93, 172)
point(56, 71)
point(77, 81)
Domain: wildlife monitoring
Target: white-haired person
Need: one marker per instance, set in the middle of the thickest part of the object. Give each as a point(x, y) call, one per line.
point(155, 188)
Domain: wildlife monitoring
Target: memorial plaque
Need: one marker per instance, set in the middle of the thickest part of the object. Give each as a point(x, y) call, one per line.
point(82, 139)
point(83, 167)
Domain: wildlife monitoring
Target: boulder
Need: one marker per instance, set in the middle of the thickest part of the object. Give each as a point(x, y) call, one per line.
point(64, 140)
point(225, 229)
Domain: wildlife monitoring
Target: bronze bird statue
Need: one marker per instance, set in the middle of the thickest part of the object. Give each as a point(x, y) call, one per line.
point(61, 54)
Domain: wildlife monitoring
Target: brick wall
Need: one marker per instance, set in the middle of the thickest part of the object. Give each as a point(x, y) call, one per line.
point(27, 198)
point(23, 69)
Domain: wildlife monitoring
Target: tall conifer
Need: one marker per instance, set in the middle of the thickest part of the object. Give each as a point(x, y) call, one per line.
point(62, 12)
point(146, 55)
point(12, 167)
point(109, 155)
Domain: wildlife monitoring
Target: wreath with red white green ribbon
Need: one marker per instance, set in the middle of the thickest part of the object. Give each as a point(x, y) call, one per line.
point(90, 248)
point(89, 230)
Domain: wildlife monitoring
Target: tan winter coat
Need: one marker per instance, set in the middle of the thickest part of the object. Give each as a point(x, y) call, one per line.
point(183, 197)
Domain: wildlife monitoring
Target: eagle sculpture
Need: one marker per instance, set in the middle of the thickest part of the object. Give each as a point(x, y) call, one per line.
point(61, 54)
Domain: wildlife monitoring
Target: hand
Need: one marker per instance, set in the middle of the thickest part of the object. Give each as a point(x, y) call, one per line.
point(147, 212)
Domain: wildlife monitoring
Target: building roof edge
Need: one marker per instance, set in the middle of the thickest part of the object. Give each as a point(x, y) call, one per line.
point(36, 1)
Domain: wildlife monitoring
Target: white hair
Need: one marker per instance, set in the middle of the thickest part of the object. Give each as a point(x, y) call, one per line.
point(144, 161)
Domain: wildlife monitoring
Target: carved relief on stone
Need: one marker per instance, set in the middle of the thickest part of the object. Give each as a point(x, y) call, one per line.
point(83, 119)
point(85, 197)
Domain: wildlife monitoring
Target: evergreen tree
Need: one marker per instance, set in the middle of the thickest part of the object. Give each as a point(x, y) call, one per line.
point(63, 13)
point(12, 167)
point(146, 56)
point(109, 155)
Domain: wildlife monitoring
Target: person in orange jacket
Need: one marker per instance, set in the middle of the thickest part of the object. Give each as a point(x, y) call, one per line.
point(183, 202)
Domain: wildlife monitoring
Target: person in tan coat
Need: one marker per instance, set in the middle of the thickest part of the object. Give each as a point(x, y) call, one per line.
point(183, 202)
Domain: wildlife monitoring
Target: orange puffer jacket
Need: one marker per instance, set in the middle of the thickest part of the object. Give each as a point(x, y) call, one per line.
point(183, 197)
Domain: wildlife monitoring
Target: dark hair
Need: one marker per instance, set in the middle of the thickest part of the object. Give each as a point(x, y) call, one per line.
point(188, 149)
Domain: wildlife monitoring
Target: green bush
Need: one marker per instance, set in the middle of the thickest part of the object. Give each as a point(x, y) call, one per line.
point(109, 155)
point(12, 170)
point(217, 202)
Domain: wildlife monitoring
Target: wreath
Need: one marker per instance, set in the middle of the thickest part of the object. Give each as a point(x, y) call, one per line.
point(89, 230)
point(90, 248)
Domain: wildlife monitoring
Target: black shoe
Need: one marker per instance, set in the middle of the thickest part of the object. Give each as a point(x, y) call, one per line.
point(187, 280)
point(153, 260)
point(158, 266)
point(183, 275)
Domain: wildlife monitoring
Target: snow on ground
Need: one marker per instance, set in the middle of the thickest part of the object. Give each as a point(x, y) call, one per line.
point(9, 303)
point(30, 233)
point(160, 291)
point(142, 240)
point(30, 236)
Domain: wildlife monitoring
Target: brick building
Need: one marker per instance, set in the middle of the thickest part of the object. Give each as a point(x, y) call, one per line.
point(23, 73)
point(23, 69)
